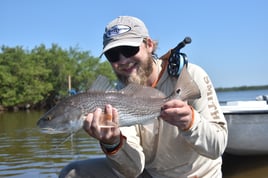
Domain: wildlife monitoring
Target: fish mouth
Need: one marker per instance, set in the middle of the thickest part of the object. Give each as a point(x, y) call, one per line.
point(52, 131)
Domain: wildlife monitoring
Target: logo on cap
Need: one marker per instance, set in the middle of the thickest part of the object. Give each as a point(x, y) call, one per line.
point(117, 30)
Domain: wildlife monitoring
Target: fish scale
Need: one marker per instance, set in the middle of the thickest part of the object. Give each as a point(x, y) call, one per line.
point(133, 109)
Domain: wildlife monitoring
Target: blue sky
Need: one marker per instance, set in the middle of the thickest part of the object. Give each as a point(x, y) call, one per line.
point(229, 38)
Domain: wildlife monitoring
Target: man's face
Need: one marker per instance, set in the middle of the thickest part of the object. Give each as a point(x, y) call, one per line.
point(136, 68)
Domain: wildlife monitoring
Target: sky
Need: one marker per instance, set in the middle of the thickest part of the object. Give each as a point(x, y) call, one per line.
point(229, 38)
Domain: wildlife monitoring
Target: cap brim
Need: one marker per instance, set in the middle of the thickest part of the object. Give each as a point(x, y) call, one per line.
point(122, 42)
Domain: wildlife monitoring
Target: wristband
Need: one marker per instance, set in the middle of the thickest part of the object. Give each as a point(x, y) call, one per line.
point(112, 149)
point(110, 146)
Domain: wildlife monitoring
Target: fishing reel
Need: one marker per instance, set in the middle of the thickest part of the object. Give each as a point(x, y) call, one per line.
point(177, 59)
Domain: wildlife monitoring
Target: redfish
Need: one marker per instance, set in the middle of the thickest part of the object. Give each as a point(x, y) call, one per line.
point(136, 104)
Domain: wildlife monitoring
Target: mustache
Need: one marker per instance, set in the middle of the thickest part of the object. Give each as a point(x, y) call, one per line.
point(144, 70)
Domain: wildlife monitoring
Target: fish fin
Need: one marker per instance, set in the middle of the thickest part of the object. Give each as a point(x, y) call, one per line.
point(101, 84)
point(186, 88)
point(69, 137)
point(137, 90)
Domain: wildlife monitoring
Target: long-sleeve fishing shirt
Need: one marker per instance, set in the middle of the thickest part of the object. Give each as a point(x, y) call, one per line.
point(166, 151)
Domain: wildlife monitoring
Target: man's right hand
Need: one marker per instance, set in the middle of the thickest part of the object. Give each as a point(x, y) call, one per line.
point(92, 125)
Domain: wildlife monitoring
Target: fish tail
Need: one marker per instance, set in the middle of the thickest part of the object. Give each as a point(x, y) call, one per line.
point(186, 88)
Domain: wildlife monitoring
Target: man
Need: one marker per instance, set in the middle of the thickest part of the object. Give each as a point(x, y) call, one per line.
point(187, 140)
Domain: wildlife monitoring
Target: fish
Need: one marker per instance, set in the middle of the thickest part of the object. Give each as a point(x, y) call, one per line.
point(136, 104)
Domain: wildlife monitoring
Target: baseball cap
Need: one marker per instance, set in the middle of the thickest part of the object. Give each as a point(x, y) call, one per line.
point(124, 31)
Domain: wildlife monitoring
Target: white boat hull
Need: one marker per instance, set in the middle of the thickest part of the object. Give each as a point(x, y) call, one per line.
point(247, 129)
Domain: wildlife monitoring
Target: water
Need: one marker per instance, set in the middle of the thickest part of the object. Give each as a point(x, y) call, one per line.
point(25, 152)
point(240, 95)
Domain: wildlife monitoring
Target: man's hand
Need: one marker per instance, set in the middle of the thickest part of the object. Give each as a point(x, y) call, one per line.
point(106, 135)
point(178, 113)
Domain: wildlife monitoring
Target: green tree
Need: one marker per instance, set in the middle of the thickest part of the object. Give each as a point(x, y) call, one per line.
point(40, 76)
point(21, 78)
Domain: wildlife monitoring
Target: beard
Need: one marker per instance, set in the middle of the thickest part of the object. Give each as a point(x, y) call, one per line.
point(144, 70)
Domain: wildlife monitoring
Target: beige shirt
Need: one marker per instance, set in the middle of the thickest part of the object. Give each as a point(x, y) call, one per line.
point(165, 151)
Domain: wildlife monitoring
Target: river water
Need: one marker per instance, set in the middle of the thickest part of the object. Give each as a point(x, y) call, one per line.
point(25, 152)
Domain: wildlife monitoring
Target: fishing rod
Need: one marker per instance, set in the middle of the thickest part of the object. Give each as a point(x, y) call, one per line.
point(186, 40)
point(176, 59)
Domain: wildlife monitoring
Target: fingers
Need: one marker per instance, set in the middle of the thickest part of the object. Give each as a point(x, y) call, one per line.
point(95, 120)
point(115, 116)
point(108, 113)
point(174, 108)
point(173, 104)
point(107, 121)
point(103, 125)
point(91, 124)
point(177, 113)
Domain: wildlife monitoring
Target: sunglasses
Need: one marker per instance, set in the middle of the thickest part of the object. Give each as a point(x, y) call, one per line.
point(113, 55)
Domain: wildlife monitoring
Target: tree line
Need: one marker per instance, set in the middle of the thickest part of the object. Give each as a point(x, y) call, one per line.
point(38, 78)
point(243, 88)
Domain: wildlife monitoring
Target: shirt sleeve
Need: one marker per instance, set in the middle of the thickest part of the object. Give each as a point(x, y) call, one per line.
point(129, 160)
point(208, 134)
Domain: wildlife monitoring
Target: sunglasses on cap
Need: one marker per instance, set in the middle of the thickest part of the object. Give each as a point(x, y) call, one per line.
point(113, 55)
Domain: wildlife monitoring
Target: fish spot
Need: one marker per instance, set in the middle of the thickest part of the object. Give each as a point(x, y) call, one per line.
point(178, 91)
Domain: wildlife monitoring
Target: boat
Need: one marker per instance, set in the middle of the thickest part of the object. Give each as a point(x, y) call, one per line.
point(247, 127)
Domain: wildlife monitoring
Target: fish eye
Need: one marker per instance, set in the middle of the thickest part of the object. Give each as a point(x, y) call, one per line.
point(49, 118)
